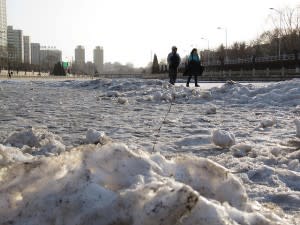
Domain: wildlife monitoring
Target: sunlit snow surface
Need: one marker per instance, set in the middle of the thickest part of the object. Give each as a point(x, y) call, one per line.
point(144, 152)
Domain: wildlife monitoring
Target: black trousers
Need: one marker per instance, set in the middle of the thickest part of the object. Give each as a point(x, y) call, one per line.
point(190, 77)
point(172, 75)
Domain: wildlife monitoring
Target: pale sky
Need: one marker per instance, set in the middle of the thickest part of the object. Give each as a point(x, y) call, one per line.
point(131, 31)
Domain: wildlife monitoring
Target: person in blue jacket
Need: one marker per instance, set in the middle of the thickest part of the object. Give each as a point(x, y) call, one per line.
point(193, 67)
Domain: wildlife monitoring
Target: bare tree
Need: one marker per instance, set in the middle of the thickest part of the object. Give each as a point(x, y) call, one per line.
point(286, 27)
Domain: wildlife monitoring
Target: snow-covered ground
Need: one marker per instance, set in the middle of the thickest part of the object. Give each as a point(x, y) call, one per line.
point(143, 152)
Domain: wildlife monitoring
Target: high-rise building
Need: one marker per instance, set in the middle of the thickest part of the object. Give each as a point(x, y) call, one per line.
point(89, 68)
point(49, 57)
point(3, 31)
point(27, 49)
point(98, 59)
point(80, 55)
point(15, 45)
point(35, 53)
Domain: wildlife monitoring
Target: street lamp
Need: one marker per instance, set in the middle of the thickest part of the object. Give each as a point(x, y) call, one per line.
point(39, 63)
point(207, 42)
point(279, 34)
point(224, 28)
point(207, 48)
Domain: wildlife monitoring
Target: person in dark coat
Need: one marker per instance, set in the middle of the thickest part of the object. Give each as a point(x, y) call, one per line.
point(193, 67)
point(173, 61)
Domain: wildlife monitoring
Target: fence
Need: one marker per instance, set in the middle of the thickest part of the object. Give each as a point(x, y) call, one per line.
point(252, 75)
point(283, 57)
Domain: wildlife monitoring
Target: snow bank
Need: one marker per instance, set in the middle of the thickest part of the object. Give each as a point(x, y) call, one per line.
point(286, 93)
point(281, 93)
point(110, 184)
point(39, 141)
point(10, 155)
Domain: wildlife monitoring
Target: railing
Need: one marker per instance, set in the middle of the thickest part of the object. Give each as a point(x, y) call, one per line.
point(36, 75)
point(251, 75)
point(283, 57)
point(119, 75)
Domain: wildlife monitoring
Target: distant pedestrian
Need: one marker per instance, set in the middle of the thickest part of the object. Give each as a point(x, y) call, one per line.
point(193, 67)
point(10, 74)
point(173, 61)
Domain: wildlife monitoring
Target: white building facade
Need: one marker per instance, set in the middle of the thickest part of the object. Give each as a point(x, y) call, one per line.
point(98, 59)
point(35, 53)
point(27, 49)
point(80, 55)
point(49, 57)
point(15, 45)
point(3, 30)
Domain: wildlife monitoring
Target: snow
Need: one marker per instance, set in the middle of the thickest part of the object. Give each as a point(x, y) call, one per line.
point(241, 150)
point(94, 137)
point(133, 151)
point(223, 138)
point(297, 122)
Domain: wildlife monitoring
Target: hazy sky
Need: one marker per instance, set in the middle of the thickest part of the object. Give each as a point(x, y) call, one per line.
point(132, 30)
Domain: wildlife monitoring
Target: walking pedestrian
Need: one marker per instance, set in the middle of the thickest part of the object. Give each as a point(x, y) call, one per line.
point(193, 67)
point(173, 61)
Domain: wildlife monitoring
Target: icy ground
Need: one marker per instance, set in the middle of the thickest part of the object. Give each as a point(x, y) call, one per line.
point(143, 152)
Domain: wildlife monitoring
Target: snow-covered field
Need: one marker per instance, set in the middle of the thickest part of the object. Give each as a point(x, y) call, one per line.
point(142, 152)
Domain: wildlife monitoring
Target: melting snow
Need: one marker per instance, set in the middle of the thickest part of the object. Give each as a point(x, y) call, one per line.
point(145, 152)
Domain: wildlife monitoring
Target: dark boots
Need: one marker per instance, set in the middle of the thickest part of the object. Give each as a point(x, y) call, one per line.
point(189, 79)
point(196, 82)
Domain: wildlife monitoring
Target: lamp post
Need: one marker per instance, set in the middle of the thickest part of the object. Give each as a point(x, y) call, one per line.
point(224, 28)
point(279, 34)
point(207, 42)
point(202, 38)
point(39, 63)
